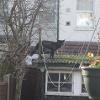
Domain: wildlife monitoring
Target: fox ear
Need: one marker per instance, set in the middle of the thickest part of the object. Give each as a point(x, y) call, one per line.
point(63, 41)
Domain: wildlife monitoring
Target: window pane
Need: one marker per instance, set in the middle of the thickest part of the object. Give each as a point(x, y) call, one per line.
point(66, 77)
point(85, 20)
point(53, 77)
point(52, 87)
point(66, 87)
point(85, 5)
point(66, 82)
point(83, 86)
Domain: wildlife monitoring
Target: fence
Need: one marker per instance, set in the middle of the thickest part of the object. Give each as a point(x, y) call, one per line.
point(8, 88)
point(3, 90)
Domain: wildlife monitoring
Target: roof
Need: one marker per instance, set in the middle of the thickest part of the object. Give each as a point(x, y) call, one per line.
point(69, 54)
point(78, 47)
point(56, 62)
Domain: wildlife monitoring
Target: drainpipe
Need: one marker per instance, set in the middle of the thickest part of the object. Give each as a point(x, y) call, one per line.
point(39, 43)
point(58, 2)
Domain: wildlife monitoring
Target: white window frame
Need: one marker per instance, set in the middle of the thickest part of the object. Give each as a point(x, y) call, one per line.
point(85, 11)
point(83, 93)
point(81, 9)
point(76, 84)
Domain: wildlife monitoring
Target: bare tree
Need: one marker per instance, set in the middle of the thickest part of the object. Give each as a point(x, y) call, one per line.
point(18, 28)
point(18, 20)
point(19, 25)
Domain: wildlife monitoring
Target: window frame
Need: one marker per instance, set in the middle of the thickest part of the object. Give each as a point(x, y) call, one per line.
point(85, 11)
point(58, 92)
point(74, 85)
point(91, 9)
point(82, 83)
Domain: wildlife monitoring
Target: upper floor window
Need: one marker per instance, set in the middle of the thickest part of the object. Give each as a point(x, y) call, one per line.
point(85, 16)
point(85, 20)
point(86, 5)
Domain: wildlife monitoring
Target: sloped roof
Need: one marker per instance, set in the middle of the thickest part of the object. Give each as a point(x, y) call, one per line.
point(77, 47)
point(67, 55)
point(57, 63)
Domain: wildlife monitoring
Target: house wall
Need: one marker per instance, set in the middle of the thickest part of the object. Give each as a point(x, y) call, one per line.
point(68, 13)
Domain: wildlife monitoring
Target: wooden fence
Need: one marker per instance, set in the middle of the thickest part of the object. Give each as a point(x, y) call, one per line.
point(7, 88)
point(3, 90)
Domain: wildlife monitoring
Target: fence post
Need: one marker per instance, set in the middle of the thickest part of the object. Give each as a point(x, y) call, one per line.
point(3, 90)
point(11, 86)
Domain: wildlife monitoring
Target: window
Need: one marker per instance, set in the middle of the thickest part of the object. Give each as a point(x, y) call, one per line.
point(85, 20)
point(64, 83)
point(86, 5)
point(59, 82)
point(53, 81)
point(85, 17)
point(68, 23)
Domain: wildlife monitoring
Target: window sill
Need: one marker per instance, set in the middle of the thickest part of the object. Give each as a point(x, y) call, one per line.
point(84, 94)
point(83, 29)
point(66, 94)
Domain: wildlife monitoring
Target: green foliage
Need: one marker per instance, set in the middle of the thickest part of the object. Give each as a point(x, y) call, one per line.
point(6, 69)
point(73, 58)
point(97, 65)
point(93, 60)
point(88, 60)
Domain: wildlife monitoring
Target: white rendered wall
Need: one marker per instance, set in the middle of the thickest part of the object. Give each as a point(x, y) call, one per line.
point(68, 13)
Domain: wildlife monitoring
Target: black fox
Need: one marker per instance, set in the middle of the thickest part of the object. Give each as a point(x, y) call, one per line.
point(48, 47)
